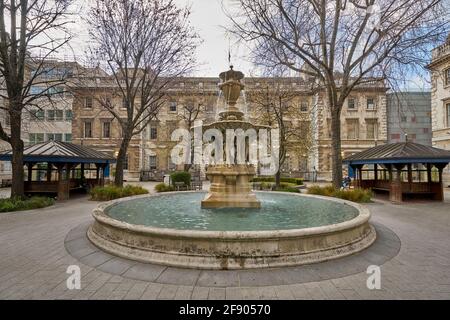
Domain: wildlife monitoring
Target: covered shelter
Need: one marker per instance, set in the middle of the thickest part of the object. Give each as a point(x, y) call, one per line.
point(59, 167)
point(404, 170)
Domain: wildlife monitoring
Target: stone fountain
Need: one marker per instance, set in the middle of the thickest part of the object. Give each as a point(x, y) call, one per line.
point(230, 183)
point(172, 230)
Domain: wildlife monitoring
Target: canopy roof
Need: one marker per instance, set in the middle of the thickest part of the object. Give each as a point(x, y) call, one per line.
point(401, 152)
point(57, 151)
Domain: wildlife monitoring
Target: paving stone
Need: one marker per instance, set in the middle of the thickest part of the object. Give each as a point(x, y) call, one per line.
point(179, 276)
point(216, 294)
point(116, 266)
point(145, 272)
point(223, 278)
point(34, 266)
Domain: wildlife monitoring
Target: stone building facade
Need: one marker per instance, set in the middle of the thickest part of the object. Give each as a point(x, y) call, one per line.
point(440, 99)
point(363, 125)
point(409, 116)
point(364, 121)
point(49, 117)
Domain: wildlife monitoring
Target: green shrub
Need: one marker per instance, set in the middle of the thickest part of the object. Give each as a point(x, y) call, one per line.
point(355, 195)
point(181, 176)
point(110, 192)
point(162, 187)
point(293, 181)
point(288, 189)
point(18, 204)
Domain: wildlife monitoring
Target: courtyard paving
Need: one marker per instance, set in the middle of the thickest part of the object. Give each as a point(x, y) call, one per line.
point(34, 260)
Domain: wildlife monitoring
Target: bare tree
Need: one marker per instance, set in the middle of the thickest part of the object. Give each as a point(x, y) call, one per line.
point(189, 114)
point(341, 43)
point(279, 107)
point(28, 28)
point(144, 45)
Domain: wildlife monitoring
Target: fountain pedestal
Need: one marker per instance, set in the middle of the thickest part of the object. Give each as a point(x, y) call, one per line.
point(230, 187)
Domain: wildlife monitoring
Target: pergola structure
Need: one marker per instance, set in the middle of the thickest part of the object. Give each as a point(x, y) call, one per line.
point(59, 167)
point(404, 170)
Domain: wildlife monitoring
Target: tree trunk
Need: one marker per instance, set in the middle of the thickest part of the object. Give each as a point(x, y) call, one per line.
point(336, 146)
point(278, 179)
point(118, 179)
point(17, 187)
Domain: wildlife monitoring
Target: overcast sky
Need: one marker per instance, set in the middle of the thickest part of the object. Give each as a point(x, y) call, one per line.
point(207, 18)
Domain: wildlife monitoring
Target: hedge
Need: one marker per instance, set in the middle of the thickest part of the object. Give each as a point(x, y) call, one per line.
point(181, 176)
point(162, 187)
point(295, 181)
point(110, 192)
point(18, 204)
point(355, 195)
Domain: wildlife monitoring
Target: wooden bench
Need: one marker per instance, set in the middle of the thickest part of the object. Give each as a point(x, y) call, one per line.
point(180, 186)
point(380, 189)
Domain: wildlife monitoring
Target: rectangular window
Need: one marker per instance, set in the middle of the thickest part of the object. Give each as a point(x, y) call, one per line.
point(447, 77)
point(403, 119)
point(371, 128)
point(426, 130)
point(51, 115)
point(68, 137)
point(303, 107)
point(125, 163)
point(32, 138)
point(36, 90)
point(107, 129)
point(395, 136)
point(351, 104)
point(69, 115)
point(50, 137)
point(173, 106)
point(370, 104)
point(88, 129)
point(152, 163)
point(124, 103)
point(59, 115)
point(37, 115)
point(35, 138)
point(447, 106)
point(88, 102)
point(352, 129)
point(58, 137)
point(153, 133)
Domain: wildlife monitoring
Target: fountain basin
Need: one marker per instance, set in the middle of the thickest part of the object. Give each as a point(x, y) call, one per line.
point(231, 249)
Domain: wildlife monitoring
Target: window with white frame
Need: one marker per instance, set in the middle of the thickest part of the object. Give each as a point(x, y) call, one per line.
point(351, 103)
point(50, 115)
point(370, 103)
point(88, 102)
point(59, 115)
